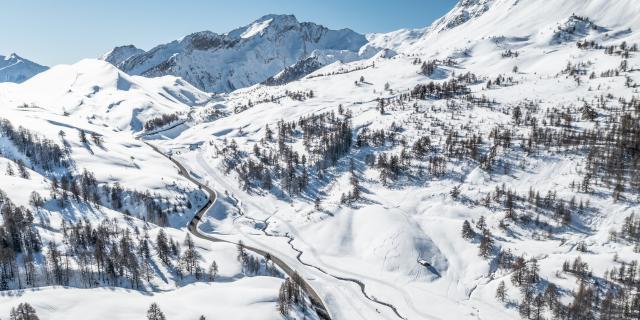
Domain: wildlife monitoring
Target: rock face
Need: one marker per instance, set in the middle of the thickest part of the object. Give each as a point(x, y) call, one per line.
point(119, 54)
point(240, 58)
point(14, 68)
point(464, 11)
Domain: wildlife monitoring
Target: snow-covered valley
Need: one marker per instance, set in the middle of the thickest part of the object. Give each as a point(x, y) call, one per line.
point(484, 167)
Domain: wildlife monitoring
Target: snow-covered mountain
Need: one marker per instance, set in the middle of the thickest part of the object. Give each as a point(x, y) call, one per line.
point(472, 21)
point(14, 68)
point(482, 167)
point(100, 93)
point(72, 159)
point(119, 54)
point(95, 97)
point(240, 58)
point(506, 114)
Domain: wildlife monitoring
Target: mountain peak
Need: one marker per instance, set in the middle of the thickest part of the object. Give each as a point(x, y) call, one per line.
point(279, 18)
point(14, 68)
point(278, 22)
point(119, 54)
point(13, 56)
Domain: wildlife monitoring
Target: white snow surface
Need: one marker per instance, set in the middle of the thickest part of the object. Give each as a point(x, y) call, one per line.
point(245, 299)
point(101, 94)
point(382, 241)
point(256, 28)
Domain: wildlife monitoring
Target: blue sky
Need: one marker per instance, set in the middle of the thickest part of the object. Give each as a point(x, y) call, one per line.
point(53, 32)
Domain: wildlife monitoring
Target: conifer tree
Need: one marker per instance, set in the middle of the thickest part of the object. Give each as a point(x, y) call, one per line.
point(467, 231)
point(154, 313)
point(213, 271)
point(501, 292)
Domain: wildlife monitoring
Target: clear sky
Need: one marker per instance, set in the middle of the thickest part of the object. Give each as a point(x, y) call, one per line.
point(52, 32)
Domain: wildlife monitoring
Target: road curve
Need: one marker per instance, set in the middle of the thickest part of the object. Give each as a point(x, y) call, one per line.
point(359, 283)
point(316, 302)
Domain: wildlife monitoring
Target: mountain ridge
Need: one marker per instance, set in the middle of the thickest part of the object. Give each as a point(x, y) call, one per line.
point(239, 58)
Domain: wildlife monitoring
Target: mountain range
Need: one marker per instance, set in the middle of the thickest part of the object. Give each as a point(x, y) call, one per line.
point(240, 58)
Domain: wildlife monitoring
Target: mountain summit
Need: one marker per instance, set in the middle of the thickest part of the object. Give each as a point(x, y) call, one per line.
point(14, 68)
point(240, 58)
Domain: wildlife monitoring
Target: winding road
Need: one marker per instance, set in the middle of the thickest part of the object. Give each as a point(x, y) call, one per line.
point(359, 283)
point(316, 302)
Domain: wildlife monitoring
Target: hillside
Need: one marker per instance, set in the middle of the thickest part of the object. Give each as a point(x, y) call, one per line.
point(493, 115)
point(102, 95)
point(92, 212)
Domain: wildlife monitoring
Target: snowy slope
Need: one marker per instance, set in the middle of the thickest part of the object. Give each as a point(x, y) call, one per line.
point(14, 68)
point(240, 58)
point(101, 94)
point(521, 22)
point(248, 298)
point(538, 113)
point(108, 106)
point(95, 114)
point(382, 239)
point(118, 159)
